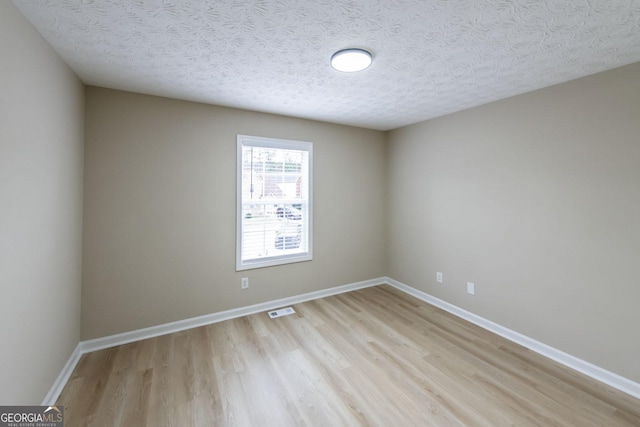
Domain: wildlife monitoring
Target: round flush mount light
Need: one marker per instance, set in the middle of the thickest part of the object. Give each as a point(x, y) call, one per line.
point(351, 60)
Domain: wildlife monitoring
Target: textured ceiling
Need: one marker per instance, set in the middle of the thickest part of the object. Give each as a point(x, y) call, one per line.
point(431, 57)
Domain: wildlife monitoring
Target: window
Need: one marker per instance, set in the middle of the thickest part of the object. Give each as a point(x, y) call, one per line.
point(274, 202)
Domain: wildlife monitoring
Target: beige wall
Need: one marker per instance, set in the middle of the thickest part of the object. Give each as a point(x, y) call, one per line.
point(536, 199)
point(160, 213)
point(41, 151)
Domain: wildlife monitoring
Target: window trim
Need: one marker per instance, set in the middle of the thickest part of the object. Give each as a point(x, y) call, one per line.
point(257, 141)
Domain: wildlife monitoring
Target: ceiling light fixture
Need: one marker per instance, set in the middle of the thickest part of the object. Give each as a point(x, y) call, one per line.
point(351, 60)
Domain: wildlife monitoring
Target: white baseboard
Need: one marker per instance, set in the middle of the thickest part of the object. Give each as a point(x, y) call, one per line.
point(207, 319)
point(63, 377)
point(612, 379)
point(181, 325)
point(600, 374)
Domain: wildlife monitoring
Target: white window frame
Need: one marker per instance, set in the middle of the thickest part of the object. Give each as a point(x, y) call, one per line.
point(276, 259)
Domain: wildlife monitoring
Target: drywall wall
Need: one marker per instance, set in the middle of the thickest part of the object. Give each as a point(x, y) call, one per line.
point(535, 199)
point(41, 155)
point(160, 210)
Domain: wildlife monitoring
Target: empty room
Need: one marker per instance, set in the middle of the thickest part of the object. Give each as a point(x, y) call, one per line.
point(337, 213)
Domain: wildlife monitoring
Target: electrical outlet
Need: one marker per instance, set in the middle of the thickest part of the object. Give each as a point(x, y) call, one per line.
point(471, 288)
point(244, 282)
point(439, 277)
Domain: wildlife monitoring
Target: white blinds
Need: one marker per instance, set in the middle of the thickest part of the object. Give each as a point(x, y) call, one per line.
point(274, 202)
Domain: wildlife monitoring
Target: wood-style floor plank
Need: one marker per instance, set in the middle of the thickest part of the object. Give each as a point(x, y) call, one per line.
point(372, 357)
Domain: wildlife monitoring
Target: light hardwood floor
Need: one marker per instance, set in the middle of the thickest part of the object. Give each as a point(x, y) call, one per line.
point(375, 356)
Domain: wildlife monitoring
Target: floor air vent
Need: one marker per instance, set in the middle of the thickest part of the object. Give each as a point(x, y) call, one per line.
point(282, 312)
